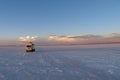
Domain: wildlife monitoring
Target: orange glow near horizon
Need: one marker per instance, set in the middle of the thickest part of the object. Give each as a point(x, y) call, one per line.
point(76, 39)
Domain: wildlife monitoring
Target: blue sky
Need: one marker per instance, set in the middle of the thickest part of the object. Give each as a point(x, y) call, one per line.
point(59, 17)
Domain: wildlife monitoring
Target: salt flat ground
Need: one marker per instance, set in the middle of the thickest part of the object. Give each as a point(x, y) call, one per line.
point(85, 62)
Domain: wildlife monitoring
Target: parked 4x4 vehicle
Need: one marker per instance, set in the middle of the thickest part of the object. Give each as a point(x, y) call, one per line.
point(30, 47)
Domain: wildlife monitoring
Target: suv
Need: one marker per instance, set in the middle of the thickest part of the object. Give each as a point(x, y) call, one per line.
point(30, 47)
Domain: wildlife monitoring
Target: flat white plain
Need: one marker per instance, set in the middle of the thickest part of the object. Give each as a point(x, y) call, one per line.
point(83, 62)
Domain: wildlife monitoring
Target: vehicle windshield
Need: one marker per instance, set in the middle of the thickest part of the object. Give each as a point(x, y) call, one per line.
point(28, 46)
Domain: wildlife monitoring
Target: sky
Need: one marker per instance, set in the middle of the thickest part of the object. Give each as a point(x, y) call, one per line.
point(58, 17)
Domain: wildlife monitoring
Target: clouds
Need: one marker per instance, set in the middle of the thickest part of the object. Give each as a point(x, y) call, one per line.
point(61, 38)
point(28, 38)
point(87, 39)
point(73, 39)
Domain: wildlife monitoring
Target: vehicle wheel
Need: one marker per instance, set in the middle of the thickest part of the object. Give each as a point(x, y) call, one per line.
point(33, 50)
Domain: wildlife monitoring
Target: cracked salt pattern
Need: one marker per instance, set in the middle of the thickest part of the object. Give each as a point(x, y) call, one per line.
point(61, 63)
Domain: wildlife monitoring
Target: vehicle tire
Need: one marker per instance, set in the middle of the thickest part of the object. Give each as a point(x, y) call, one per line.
point(33, 50)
